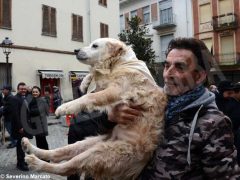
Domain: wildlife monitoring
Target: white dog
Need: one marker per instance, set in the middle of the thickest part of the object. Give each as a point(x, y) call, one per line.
point(116, 76)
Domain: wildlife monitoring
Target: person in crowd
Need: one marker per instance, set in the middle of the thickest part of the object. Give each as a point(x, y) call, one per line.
point(237, 91)
point(198, 141)
point(47, 97)
point(1, 104)
point(19, 130)
point(228, 104)
point(9, 112)
point(57, 98)
point(38, 111)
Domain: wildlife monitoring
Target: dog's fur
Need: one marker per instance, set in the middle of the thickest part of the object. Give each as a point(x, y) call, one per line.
point(124, 152)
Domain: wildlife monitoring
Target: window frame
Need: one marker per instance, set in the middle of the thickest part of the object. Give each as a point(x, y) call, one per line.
point(104, 30)
point(51, 28)
point(77, 34)
point(146, 12)
point(102, 3)
point(6, 23)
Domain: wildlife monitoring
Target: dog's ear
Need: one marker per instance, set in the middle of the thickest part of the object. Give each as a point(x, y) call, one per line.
point(115, 48)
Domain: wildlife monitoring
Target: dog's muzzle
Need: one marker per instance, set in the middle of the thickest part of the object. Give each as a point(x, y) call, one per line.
point(81, 55)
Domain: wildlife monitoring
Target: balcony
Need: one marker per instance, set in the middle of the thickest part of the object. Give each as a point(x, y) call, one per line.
point(228, 59)
point(163, 23)
point(225, 22)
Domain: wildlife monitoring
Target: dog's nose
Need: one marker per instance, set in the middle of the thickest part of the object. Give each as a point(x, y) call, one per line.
point(76, 51)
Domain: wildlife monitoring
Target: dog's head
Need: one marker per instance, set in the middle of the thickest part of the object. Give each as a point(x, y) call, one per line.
point(100, 50)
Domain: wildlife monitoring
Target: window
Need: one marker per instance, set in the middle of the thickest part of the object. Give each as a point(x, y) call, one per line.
point(208, 42)
point(146, 15)
point(103, 30)
point(122, 23)
point(164, 41)
point(205, 13)
point(3, 73)
point(103, 2)
point(49, 21)
point(133, 13)
point(227, 50)
point(5, 14)
point(166, 13)
point(77, 28)
point(225, 6)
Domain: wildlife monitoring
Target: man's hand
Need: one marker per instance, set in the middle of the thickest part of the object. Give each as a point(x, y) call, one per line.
point(124, 114)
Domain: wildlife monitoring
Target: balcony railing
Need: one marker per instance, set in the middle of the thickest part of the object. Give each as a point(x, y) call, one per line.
point(164, 22)
point(227, 59)
point(224, 22)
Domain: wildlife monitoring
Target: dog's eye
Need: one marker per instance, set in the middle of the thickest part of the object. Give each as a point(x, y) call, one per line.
point(94, 46)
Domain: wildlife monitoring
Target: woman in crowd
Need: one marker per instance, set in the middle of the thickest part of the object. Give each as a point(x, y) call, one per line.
point(38, 111)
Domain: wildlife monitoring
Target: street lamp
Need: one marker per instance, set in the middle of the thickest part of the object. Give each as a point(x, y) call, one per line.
point(7, 46)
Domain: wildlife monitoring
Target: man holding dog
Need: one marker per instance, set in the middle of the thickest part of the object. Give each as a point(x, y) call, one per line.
point(198, 140)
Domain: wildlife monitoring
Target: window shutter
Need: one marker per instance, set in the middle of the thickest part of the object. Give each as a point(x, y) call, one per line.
point(80, 28)
point(45, 27)
point(74, 26)
point(101, 30)
point(53, 22)
point(6, 13)
point(106, 30)
point(105, 2)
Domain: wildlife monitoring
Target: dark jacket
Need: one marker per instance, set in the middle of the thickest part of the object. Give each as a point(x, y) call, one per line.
point(198, 144)
point(22, 121)
point(38, 112)
point(10, 108)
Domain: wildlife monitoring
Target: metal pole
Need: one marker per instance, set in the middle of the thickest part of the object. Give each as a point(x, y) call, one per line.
point(7, 68)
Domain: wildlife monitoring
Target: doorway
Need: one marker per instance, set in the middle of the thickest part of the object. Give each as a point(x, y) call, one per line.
point(47, 90)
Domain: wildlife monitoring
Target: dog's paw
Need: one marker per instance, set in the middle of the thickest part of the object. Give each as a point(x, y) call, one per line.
point(85, 83)
point(72, 107)
point(26, 145)
point(33, 162)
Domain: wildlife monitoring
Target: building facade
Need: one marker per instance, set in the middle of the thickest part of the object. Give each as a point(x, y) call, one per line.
point(44, 35)
point(165, 19)
point(216, 22)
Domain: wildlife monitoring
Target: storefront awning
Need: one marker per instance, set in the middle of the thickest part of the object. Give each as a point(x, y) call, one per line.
point(78, 74)
point(51, 74)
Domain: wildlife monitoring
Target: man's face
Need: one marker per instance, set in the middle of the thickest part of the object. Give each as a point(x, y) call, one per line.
point(22, 90)
point(228, 93)
point(180, 73)
point(5, 92)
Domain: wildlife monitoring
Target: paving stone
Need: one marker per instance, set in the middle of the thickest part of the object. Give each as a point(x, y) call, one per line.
point(57, 137)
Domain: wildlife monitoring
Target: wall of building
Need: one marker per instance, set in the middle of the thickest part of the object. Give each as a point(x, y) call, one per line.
point(183, 13)
point(56, 54)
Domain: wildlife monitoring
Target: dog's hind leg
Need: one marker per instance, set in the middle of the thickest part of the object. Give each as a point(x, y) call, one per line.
point(116, 159)
point(62, 153)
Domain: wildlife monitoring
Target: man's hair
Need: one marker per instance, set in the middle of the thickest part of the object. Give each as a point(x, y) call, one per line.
point(21, 84)
point(197, 47)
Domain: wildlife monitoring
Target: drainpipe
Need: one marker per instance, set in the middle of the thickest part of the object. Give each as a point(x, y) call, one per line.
point(89, 21)
point(187, 16)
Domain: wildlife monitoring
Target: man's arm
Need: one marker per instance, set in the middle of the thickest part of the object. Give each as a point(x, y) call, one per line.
point(219, 153)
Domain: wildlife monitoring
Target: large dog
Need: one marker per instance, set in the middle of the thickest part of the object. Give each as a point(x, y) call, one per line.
point(116, 76)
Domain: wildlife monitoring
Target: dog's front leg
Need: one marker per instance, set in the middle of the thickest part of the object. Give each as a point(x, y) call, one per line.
point(91, 101)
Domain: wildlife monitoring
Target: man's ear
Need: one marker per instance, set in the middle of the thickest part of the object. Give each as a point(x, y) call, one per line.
point(200, 76)
point(115, 49)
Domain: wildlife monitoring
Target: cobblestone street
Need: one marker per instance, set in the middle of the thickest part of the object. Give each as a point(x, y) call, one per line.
point(57, 137)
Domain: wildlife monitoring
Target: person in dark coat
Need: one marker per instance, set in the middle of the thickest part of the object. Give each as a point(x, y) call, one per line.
point(21, 126)
point(57, 98)
point(9, 112)
point(38, 111)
